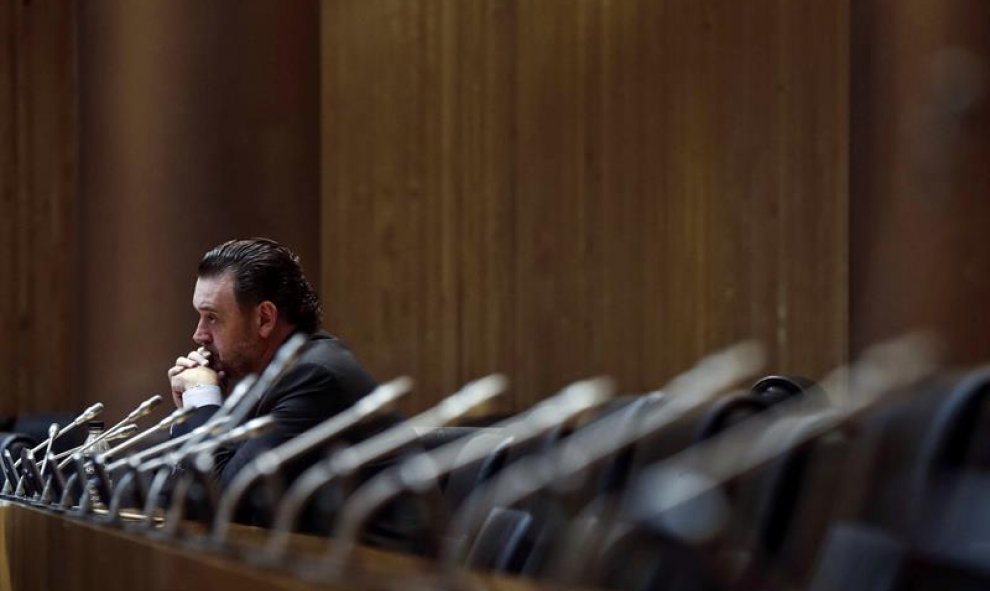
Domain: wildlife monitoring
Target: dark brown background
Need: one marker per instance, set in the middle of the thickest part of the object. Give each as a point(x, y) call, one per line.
point(559, 189)
point(552, 189)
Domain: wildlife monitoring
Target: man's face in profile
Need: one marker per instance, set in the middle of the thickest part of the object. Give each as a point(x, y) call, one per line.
point(226, 329)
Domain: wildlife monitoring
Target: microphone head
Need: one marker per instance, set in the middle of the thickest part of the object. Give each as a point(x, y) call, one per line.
point(152, 402)
point(147, 406)
point(383, 395)
point(474, 394)
point(27, 455)
point(575, 398)
point(212, 428)
point(259, 426)
point(90, 413)
point(123, 433)
point(252, 428)
point(178, 416)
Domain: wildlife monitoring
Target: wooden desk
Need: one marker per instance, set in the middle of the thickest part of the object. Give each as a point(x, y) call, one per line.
point(43, 551)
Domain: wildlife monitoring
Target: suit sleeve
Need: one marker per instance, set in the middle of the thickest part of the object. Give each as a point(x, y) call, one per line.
point(197, 418)
point(303, 398)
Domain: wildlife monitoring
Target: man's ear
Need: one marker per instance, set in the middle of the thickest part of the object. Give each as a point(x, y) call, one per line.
point(267, 318)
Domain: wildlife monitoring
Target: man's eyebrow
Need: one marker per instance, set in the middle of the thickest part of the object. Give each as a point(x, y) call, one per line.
point(206, 308)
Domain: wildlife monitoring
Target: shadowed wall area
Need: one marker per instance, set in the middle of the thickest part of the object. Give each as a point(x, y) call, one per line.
point(197, 125)
point(38, 198)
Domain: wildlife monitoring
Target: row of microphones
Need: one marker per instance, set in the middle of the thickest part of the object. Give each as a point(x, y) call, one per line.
point(690, 390)
point(177, 417)
point(268, 463)
point(23, 473)
point(81, 457)
point(345, 463)
point(86, 416)
point(425, 469)
point(555, 457)
point(236, 408)
point(685, 491)
point(125, 467)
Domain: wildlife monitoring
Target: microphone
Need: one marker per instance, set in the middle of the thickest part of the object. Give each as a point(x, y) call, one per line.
point(55, 485)
point(161, 465)
point(233, 411)
point(685, 492)
point(598, 441)
point(95, 482)
point(237, 398)
point(52, 434)
point(122, 433)
point(372, 404)
point(347, 461)
point(138, 413)
point(9, 471)
point(424, 470)
point(177, 417)
point(32, 477)
point(252, 428)
point(86, 416)
point(884, 371)
point(15, 478)
point(135, 464)
point(143, 409)
point(141, 460)
point(91, 472)
point(203, 464)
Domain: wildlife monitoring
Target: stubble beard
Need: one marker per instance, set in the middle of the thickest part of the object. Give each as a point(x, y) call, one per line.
point(237, 365)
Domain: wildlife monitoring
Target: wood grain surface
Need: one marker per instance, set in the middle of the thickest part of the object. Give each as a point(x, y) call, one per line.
point(40, 550)
point(920, 180)
point(558, 189)
point(38, 200)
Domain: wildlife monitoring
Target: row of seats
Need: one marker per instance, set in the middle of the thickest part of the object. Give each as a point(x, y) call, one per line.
point(895, 499)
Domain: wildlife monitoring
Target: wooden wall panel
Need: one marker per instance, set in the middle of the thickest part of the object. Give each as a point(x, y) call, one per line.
point(921, 121)
point(199, 123)
point(556, 189)
point(8, 200)
point(37, 201)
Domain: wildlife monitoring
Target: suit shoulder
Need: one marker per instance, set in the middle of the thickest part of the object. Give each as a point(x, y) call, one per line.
point(326, 353)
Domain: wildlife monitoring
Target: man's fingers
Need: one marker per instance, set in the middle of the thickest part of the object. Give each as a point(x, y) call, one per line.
point(199, 358)
point(186, 362)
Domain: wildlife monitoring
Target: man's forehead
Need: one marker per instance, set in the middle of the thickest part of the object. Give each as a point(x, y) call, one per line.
point(213, 291)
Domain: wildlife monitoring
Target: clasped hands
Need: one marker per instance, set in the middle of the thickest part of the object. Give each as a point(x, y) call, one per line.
point(191, 371)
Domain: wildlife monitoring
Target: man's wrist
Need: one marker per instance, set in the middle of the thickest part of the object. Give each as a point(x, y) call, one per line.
point(202, 395)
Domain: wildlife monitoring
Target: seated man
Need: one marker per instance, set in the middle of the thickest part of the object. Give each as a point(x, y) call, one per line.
point(251, 296)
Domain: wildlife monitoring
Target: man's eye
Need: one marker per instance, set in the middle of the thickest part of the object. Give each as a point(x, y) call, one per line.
point(211, 318)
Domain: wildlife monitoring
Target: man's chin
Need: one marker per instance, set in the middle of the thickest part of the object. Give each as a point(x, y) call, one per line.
point(224, 382)
point(229, 381)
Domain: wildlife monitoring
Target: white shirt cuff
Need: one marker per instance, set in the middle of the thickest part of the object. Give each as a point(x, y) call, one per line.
point(202, 396)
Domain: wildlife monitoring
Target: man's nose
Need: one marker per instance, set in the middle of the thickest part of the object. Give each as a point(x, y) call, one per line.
point(201, 336)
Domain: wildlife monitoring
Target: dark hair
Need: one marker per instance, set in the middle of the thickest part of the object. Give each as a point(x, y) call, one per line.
point(265, 270)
